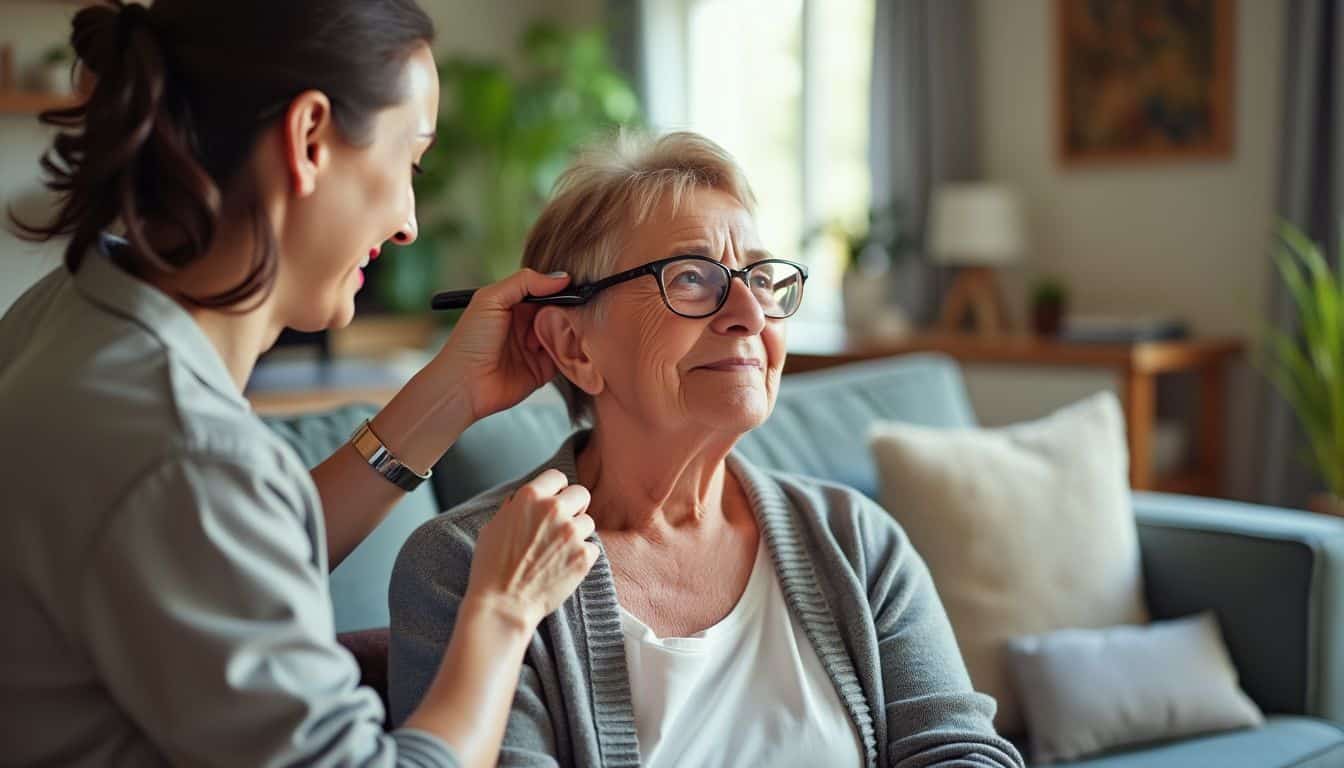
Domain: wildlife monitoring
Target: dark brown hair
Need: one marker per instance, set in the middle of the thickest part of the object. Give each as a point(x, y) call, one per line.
point(182, 92)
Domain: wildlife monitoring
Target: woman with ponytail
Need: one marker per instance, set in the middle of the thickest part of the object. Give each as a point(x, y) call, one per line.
point(164, 556)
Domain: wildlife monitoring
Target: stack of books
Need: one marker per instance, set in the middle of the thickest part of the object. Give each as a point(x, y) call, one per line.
point(1117, 329)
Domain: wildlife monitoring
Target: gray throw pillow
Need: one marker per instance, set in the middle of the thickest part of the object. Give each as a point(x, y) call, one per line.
point(1088, 690)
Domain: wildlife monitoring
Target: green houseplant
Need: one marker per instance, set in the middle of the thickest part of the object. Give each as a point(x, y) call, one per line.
point(871, 250)
point(53, 74)
point(1307, 368)
point(1049, 302)
point(506, 131)
point(883, 239)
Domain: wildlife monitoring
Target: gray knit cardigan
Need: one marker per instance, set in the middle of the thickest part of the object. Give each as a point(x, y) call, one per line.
point(849, 574)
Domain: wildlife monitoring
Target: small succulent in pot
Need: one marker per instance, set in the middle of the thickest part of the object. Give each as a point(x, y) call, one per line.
point(1049, 302)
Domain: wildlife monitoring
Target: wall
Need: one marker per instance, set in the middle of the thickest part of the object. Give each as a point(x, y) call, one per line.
point(476, 27)
point(1187, 238)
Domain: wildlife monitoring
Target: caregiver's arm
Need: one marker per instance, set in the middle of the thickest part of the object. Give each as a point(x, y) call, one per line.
point(491, 362)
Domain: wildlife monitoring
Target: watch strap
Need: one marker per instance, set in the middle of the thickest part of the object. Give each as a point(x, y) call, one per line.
point(372, 449)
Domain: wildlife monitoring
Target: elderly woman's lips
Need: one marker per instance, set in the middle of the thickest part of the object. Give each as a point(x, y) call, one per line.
point(732, 364)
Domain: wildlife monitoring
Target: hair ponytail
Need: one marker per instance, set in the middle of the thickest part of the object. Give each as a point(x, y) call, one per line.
point(182, 91)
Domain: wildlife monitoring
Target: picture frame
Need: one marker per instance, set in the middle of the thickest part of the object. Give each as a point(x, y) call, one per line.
point(1144, 81)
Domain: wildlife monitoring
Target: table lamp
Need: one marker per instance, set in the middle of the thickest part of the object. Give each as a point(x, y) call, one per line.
point(975, 227)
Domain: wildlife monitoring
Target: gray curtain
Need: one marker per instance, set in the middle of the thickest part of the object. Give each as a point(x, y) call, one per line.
point(923, 126)
point(1311, 196)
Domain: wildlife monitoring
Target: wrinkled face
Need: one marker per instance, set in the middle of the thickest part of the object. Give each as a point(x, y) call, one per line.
point(717, 373)
point(361, 198)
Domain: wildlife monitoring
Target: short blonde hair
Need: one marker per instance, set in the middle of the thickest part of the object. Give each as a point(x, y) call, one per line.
point(610, 188)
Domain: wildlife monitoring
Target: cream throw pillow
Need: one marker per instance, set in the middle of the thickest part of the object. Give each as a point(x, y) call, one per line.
point(1026, 529)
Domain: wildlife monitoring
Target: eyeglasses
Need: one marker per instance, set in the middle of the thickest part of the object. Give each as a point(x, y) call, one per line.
point(691, 286)
point(697, 286)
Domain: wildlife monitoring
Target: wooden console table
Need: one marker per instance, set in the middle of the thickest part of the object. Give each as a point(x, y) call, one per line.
point(1136, 366)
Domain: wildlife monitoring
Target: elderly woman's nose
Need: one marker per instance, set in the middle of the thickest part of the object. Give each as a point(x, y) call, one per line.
point(742, 312)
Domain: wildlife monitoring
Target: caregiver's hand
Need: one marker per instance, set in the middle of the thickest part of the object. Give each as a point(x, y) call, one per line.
point(533, 554)
point(491, 361)
point(493, 353)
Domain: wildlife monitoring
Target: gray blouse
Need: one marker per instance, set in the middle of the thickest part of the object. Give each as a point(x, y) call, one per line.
point(849, 574)
point(163, 568)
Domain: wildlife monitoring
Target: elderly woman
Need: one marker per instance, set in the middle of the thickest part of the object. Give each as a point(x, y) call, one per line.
point(735, 616)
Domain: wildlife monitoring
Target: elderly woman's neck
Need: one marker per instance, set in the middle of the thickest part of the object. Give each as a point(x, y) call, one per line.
point(639, 483)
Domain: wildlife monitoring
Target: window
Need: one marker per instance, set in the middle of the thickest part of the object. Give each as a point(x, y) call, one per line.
point(782, 85)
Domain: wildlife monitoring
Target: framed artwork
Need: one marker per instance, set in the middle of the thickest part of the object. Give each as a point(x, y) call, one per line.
point(1144, 80)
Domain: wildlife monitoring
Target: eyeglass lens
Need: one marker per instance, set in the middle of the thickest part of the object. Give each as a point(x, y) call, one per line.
point(697, 288)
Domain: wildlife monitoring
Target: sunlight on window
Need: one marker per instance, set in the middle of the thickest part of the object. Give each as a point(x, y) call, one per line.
point(745, 91)
point(840, 63)
point(783, 86)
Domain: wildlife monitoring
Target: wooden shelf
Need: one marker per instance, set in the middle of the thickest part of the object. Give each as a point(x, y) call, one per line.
point(1188, 481)
point(1147, 356)
point(308, 401)
point(14, 102)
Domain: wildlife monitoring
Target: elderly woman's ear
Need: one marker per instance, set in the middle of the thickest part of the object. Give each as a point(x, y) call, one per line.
point(560, 334)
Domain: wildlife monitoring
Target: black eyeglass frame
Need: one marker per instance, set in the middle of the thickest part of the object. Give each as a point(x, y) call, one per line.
point(582, 294)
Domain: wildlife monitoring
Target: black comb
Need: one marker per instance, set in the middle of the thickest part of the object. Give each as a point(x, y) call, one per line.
point(460, 299)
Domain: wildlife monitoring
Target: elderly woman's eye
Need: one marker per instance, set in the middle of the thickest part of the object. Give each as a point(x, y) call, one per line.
point(689, 277)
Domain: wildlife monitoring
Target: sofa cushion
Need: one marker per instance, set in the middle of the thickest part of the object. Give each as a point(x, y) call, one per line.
point(500, 448)
point(359, 583)
point(821, 419)
point(1085, 691)
point(1282, 742)
point(1026, 529)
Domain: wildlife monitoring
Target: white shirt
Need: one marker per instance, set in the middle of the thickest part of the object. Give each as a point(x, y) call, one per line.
point(749, 690)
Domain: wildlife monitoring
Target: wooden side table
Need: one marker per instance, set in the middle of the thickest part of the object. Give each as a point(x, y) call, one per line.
point(1137, 367)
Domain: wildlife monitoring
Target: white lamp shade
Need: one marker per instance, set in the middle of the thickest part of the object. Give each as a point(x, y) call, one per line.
point(976, 224)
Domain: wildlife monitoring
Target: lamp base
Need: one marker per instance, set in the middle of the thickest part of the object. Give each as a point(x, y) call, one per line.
point(974, 291)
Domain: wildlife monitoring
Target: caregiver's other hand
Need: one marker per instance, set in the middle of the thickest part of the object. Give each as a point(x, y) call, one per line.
point(533, 553)
point(493, 353)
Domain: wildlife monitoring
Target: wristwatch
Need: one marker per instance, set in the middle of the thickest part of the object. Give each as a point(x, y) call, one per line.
point(383, 462)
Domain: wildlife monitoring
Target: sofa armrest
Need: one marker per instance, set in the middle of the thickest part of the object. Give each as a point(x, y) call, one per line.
point(1274, 576)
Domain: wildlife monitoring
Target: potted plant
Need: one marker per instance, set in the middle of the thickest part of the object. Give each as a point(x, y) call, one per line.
point(870, 251)
point(1049, 302)
point(53, 73)
point(505, 133)
point(1307, 367)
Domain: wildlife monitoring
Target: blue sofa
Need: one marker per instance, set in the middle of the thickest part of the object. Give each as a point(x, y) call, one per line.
point(1275, 577)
